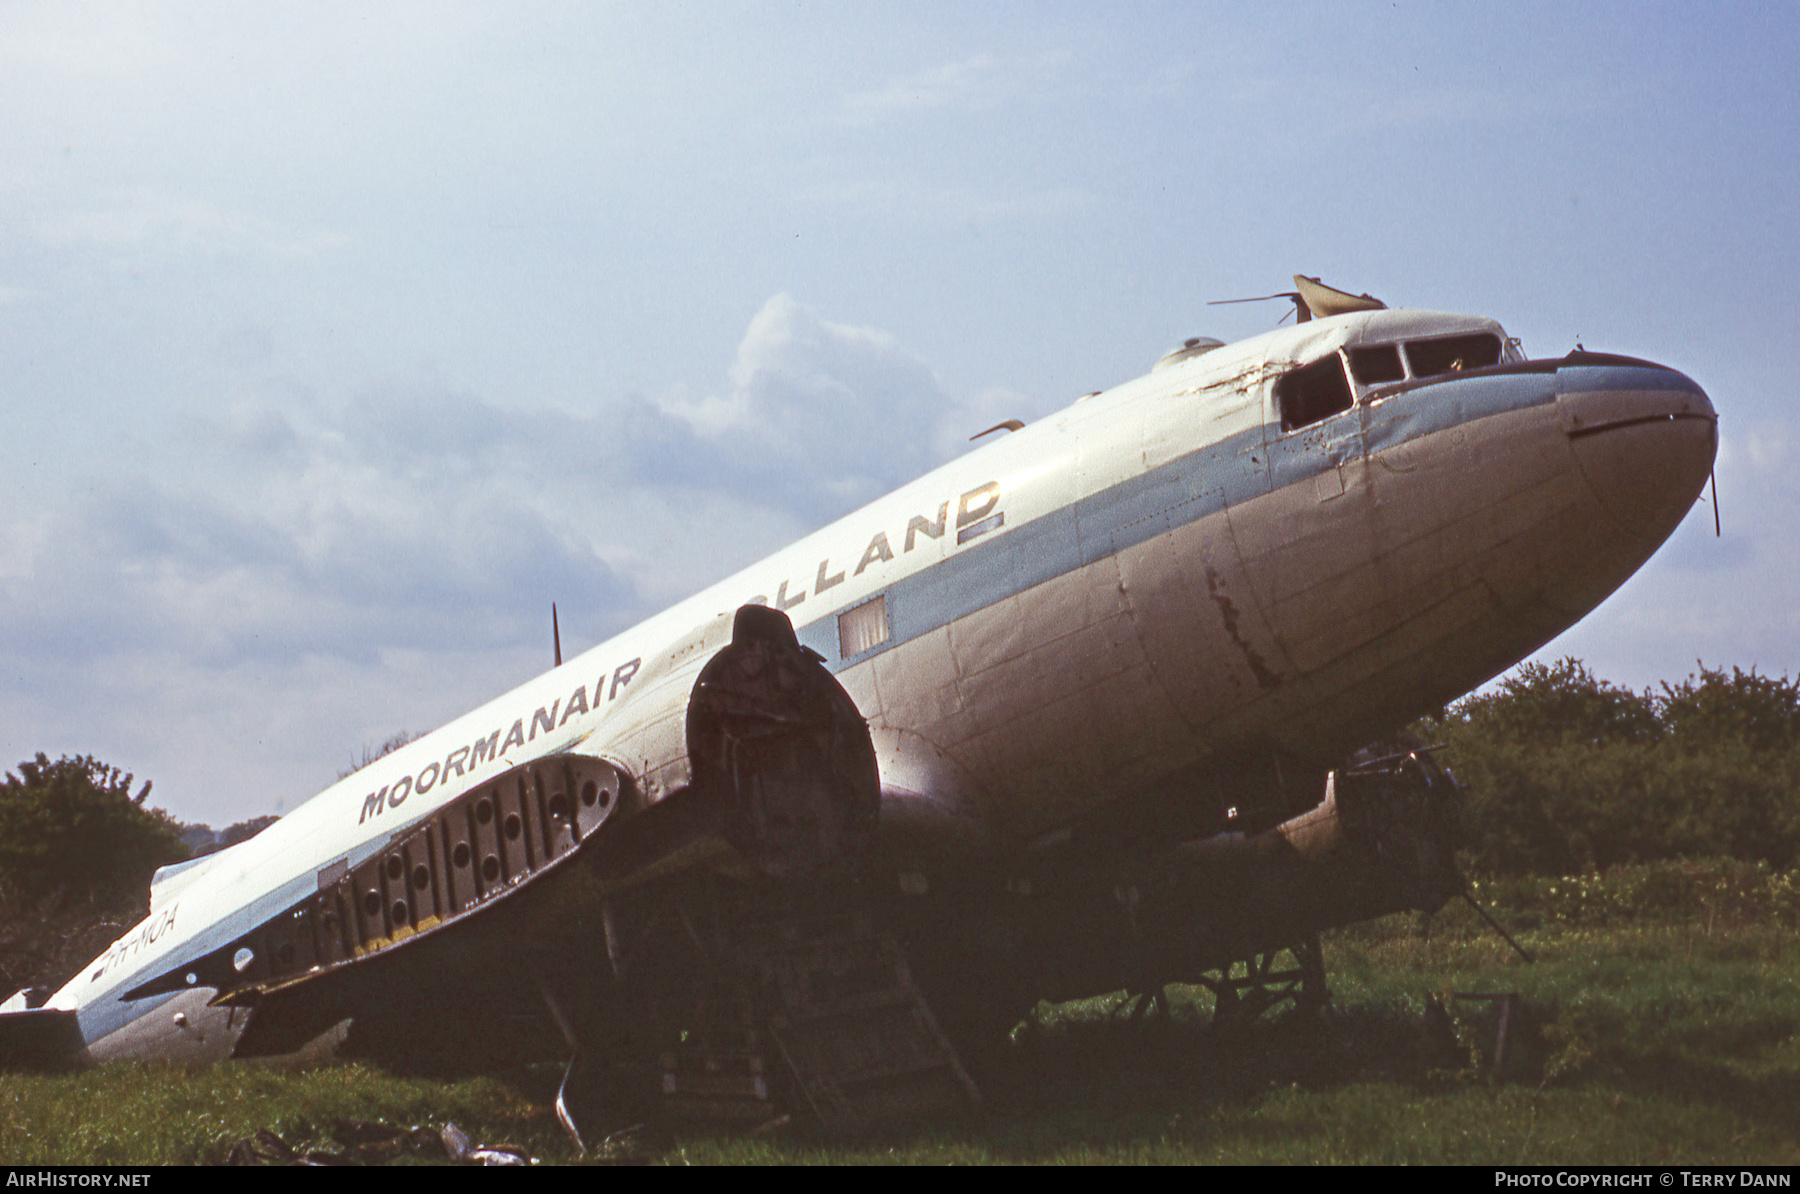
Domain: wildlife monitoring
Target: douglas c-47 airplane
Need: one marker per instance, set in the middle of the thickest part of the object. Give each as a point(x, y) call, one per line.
point(1076, 712)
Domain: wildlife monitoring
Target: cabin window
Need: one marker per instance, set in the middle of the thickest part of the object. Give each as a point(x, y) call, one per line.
point(1376, 363)
point(1312, 392)
point(1453, 354)
point(863, 628)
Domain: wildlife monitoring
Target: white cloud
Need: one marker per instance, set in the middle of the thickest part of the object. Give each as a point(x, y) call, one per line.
point(86, 44)
point(417, 515)
point(824, 416)
point(981, 82)
point(914, 200)
point(1766, 448)
point(314, 561)
point(171, 225)
point(1336, 106)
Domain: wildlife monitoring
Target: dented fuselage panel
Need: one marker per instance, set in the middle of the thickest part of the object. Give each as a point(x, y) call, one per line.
point(1250, 561)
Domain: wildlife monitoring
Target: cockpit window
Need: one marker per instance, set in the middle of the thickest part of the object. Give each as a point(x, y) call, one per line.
point(1312, 392)
point(1376, 363)
point(1453, 353)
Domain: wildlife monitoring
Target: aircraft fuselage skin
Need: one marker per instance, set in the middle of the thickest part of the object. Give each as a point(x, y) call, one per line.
point(1160, 584)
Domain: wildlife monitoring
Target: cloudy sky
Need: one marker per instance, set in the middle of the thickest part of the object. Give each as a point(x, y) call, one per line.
point(337, 341)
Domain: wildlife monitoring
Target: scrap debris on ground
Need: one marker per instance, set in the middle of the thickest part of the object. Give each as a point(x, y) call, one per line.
point(371, 1143)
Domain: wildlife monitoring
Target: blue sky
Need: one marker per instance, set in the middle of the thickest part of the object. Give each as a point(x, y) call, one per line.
point(340, 340)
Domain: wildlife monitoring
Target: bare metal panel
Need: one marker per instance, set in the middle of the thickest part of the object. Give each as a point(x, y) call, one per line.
point(917, 682)
point(368, 899)
point(859, 684)
point(184, 1024)
point(1205, 637)
point(461, 858)
point(993, 636)
point(599, 790)
point(490, 870)
point(513, 808)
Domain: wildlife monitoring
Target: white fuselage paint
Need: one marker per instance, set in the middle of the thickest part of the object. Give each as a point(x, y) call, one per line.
point(1150, 577)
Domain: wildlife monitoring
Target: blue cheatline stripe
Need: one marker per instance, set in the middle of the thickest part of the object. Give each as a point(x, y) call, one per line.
point(107, 1014)
point(1012, 560)
point(103, 1017)
point(1580, 379)
point(1183, 491)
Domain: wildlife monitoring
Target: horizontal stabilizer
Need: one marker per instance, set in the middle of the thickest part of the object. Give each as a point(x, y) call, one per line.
point(39, 1039)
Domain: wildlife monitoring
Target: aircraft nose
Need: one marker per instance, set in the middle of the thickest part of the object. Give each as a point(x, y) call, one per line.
point(1643, 435)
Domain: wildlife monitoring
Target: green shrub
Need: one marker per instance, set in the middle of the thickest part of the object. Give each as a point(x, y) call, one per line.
point(77, 850)
point(1567, 772)
point(1723, 893)
point(74, 826)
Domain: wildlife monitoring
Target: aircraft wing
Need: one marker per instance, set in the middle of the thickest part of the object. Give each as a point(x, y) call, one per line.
point(781, 780)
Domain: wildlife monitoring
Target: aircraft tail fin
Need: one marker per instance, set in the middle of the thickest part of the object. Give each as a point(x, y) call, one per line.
point(173, 878)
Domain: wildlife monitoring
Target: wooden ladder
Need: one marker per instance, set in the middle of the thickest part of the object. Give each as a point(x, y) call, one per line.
point(717, 1070)
point(858, 1040)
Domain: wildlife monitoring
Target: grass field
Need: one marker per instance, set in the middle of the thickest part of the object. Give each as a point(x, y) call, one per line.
point(1663, 1027)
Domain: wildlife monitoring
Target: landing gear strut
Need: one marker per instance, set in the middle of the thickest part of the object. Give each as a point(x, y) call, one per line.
point(1247, 988)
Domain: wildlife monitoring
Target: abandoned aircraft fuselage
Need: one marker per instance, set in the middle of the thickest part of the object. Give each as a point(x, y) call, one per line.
point(1160, 615)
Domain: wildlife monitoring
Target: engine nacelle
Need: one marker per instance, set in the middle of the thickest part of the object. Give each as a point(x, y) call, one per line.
point(770, 731)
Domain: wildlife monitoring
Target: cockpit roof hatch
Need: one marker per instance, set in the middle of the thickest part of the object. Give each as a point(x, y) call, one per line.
point(1323, 300)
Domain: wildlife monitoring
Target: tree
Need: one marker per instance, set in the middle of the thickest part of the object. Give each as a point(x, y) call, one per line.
point(243, 831)
point(1559, 704)
point(1713, 710)
point(1567, 772)
point(73, 827)
point(370, 754)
